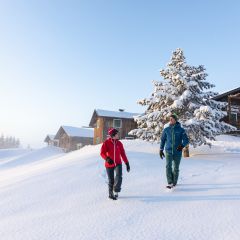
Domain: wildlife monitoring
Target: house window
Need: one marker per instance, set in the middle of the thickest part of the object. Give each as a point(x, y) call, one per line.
point(79, 145)
point(117, 123)
point(233, 117)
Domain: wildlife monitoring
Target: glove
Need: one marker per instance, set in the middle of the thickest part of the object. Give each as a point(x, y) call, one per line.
point(128, 167)
point(161, 153)
point(109, 161)
point(180, 148)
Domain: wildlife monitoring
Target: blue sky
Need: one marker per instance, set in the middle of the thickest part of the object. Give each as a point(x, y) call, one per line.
point(59, 60)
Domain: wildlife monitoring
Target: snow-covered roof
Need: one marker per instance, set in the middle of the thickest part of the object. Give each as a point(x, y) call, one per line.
point(77, 132)
point(49, 137)
point(230, 92)
point(116, 114)
point(111, 114)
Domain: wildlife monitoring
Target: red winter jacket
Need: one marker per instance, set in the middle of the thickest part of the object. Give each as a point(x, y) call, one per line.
point(113, 149)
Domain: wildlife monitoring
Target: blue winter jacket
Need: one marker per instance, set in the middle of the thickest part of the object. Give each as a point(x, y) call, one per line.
point(172, 137)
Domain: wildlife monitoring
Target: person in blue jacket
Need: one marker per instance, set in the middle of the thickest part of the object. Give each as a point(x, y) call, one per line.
point(174, 139)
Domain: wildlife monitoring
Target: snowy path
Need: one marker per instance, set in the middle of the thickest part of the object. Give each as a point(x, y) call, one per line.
point(65, 197)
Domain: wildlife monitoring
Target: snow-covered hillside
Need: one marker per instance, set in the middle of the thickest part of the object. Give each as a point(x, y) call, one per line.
point(48, 194)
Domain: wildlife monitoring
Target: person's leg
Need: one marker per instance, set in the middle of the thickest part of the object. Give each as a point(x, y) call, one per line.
point(118, 178)
point(169, 173)
point(110, 173)
point(176, 164)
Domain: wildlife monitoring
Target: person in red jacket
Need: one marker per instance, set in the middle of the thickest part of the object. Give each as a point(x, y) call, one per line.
point(113, 153)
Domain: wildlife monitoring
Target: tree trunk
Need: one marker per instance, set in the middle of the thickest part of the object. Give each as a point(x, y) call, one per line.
point(186, 151)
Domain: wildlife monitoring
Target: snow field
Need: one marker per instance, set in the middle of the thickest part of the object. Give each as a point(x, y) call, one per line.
point(47, 194)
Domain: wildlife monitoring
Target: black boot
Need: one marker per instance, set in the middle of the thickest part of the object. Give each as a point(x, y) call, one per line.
point(112, 196)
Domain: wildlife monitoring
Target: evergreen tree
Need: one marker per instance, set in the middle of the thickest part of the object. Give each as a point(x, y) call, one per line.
point(17, 144)
point(185, 92)
point(2, 141)
point(8, 142)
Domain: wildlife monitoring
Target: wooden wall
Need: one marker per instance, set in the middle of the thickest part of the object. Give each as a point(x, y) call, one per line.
point(235, 109)
point(64, 142)
point(98, 131)
point(104, 123)
point(71, 143)
point(74, 141)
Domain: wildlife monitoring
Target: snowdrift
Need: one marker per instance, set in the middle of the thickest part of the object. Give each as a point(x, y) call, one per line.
point(48, 194)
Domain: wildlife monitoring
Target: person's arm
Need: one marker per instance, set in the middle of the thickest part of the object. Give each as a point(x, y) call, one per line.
point(103, 154)
point(103, 151)
point(163, 140)
point(185, 139)
point(123, 154)
point(124, 157)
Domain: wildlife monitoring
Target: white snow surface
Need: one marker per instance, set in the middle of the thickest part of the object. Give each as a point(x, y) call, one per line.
point(48, 194)
point(119, 114)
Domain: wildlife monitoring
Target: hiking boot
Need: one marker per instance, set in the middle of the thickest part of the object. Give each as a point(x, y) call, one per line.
point(112, 196)
point(169, 186)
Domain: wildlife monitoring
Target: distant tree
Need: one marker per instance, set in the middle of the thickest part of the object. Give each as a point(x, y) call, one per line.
point(17, 143)
point(9, 142)
point(2, 141)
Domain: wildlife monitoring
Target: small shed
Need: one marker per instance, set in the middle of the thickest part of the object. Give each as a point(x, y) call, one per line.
point(232, 98)
point(102, 120)
point(73, 138)
point(50, 140)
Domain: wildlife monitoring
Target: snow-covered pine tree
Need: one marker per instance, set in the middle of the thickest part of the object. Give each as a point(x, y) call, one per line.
point(186, 93)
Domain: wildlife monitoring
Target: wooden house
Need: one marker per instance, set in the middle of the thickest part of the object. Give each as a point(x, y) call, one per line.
point(102, 120)
point(233, 108)
point(73, 138)
point(50, 140)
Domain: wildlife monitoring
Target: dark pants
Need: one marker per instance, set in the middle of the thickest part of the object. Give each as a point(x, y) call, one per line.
point(172, 167)
point(114, 183)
